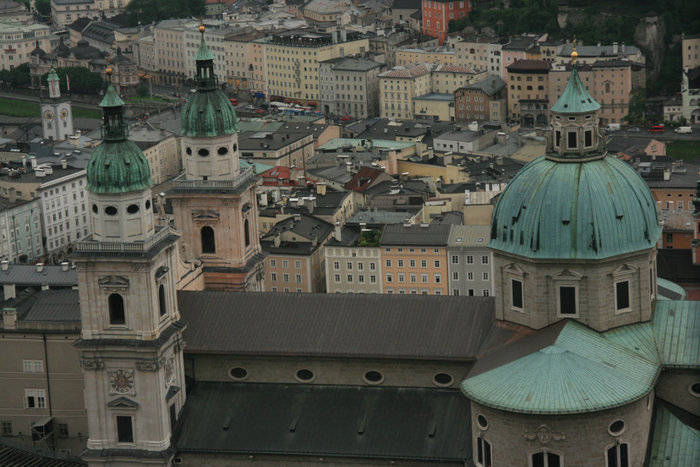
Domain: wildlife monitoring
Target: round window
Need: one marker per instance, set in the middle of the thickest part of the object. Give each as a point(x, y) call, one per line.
point(443, 379)
point(481, 421)
point(148, 204)
point(111, 211)
point(203, 152)
point(305, 375)
point(238, 373)
point(132, 208)
point(222, 151)
point(95, 209)
point(188, 151)
point(374, 377)
point(616, 427)
point(695, 389)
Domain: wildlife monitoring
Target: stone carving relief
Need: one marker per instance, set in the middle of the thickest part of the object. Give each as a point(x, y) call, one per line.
point(544, 434)
point(148, 365)
point(87, 364)
point(121, 380)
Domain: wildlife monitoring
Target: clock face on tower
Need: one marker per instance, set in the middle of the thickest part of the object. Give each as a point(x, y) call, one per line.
point(121, 381)
point(48, 115)
point(64, 114)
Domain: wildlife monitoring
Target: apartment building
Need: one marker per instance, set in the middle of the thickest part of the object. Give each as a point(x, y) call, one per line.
point(18, 40)
point(398, 87)
point(414, 259)
point(485, 100)
point(608, 81)
point(20, 230)
point(518, 48)
point(436, 55)
point(170, 49)
point(161, 149)
point(110, 8)
point(144, 53)
point(292, 60)
point(690, 51)
point(215, 36)
point(245, 67)
point(353, 262)
point(470, 265)
point(294, 249)
point(350, 86)
point(480, 52)
point(277, 148)
point(437, 15)
point(528, 92)
point(64, 12)
point(589, 54)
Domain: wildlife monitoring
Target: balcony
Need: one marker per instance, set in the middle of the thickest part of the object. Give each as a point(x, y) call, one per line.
point(216, 184)
point(123, 247)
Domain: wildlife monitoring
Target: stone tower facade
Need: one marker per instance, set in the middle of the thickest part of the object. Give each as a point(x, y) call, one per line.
point(214, 202)
point(56, 113)
point(131, 340)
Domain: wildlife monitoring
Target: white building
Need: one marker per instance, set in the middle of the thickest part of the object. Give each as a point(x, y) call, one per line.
point(17, 40)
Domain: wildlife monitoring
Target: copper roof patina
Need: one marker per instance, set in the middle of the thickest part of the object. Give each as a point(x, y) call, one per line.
point(565, 368)
point(585, 210)
point(575, 98)
point(117, 165)
point(208, 112)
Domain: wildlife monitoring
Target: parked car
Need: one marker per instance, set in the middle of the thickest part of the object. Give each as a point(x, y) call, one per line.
point(634, 129)
point(657, 129)
point(612, 127)
point(684, 130)
point(234, 101)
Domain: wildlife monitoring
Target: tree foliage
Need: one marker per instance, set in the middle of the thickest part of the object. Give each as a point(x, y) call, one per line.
point(82, 80)
point(43, 7)
point(147, 11)
point(637, 106)
point(17, 77)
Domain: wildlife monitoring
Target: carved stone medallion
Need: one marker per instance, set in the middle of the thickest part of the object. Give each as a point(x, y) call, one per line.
point(544, 434)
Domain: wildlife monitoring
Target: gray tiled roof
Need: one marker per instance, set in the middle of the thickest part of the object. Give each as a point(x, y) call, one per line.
point(54, 306)
point(348, 325)
point(418, 424)
point(26, 275)
point(424, 234)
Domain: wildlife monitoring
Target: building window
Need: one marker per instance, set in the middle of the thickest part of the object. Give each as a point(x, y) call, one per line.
point(63, 430)
point(588, 135)
point(571, 140)
point(617, 456)
point(484, 259)
point(297, 278)
point(485, 276)
point(116, 309)
point(285, 277)
point(6, 428)
point(336, 265)
point(437, 278)
point(125, 432)
point(161, 299)
point(208, 241)
point(622, 296)
point(545, 459)
point(470, 260)
point(486, 292)
point(33, 366)
point(455, 259)
point(246, 231)
point(516, 289)
point(336, 278)
point(568, 301)
point(388, 263)
point(34, 399)
point(273, 263)
point(399, 263)
point(389, 277)
point(424, 263)
point(483, 452)
point(455, 276)
point(273, 276)
point(437, 263)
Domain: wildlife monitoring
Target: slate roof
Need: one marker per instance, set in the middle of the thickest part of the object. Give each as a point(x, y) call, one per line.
point(336, 325)
point(488, 86)
point(419, 235)
point(566, 368)
point(469, 236)
point(674, 442)
point(27, 275)
point(339, 421)
point(670, 291)
point(677, 330)
point(54, 306)
point(21, 456)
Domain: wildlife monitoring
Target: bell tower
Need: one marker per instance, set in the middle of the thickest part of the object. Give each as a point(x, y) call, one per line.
point(56, 113)
point(214, 201)
point(131, 340)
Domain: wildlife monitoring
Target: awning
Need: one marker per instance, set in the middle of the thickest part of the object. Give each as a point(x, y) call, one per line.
point(259, 95)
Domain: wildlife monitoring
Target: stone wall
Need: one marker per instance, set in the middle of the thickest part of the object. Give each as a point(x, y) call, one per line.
point(674, 386)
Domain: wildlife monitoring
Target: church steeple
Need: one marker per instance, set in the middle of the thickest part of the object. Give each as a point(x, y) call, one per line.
point(53, 83)
point(204, 62)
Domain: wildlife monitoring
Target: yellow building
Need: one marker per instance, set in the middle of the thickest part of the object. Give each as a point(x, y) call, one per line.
point(245, 61)
point(19, 40)
point(292, 60)
point(444, 55)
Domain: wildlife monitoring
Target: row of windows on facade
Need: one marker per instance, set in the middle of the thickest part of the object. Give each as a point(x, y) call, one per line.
point(401, 278)
point(391, 291)
point(6, 428)
point(567, 297)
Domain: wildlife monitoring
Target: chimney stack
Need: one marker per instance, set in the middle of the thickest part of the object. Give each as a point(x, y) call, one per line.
point(5, 265)
point(337, 234)
point(65, 265)
point(321, 189)
point(64, 164)
point(9, 318)
point(39, 267)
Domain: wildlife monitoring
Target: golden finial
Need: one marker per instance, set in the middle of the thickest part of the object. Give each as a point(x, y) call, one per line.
point(109, 70)
point(201, 25)
point(574, 54)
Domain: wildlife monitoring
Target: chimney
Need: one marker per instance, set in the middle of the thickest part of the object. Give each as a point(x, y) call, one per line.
point(337, 234)
point(278, 240)
point(348, 167)
point(64, 164)
point(9, 318)
point(321, 189)
point(499, 160)
point(343, 35)
point(334, 37)
point(12, 195)
point(501, 137)
point(39, 267)
point(5, 264)
point(32, 159)
point(614, 47)
point(24, 161)
point(64, 266)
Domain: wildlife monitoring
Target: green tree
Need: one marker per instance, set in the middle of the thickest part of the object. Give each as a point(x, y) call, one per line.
point(43, 7)
point(147, 11)
point(82, 80)
point(637, 105)
point(16, 77)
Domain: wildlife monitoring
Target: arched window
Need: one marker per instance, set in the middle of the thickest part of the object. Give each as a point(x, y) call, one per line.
point(116, 309)
point(246, 228)
point(208, 241)
point(483, 452)
point(617, 456)
point(546, 459)
point(161, 299)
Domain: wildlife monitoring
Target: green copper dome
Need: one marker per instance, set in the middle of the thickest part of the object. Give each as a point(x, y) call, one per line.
point(117, 165)
point(208, 112)
point(576, 210)
point(575, 98)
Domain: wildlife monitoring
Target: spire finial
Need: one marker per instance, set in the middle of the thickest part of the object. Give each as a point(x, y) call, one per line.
point(201, 26)
point(574, 54)
point(108, 72)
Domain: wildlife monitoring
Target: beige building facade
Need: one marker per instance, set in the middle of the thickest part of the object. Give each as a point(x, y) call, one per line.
point(443, 55)
point(170, 46)
point(64, 12)
point(18, 40)
point(353, 269)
